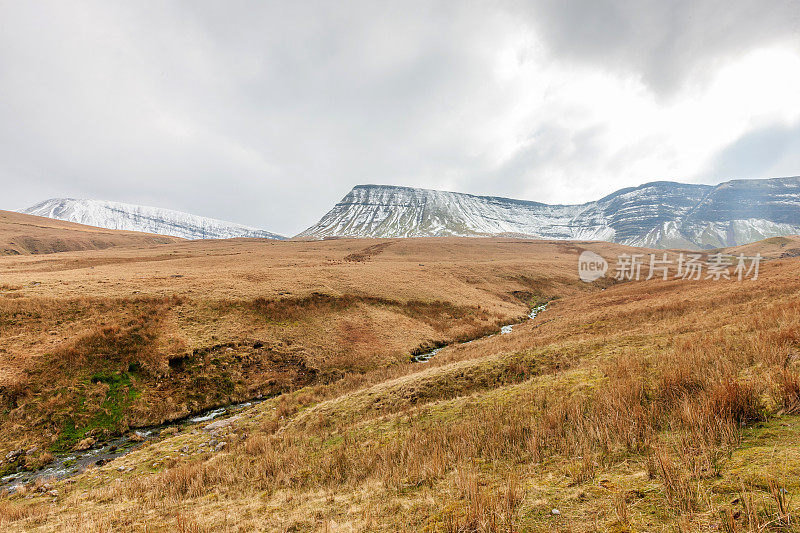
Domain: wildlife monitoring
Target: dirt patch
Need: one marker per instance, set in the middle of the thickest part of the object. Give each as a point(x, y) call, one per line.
point(368, 253)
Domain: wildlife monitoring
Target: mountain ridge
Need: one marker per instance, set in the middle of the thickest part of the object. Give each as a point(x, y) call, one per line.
point(658, 214)
point(146, 219)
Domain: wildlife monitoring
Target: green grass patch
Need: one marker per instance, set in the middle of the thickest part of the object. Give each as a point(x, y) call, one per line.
point(104, 421)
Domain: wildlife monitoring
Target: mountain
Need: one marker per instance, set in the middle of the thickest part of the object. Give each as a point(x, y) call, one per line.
point(116, 215)
point(659, 215)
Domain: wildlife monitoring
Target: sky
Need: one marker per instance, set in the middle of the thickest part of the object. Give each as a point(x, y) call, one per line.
point(268, 113)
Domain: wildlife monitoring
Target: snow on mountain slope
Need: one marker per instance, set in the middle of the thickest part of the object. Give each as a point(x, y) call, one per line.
point(117, 215)
point(386, 211)
point(658, 214)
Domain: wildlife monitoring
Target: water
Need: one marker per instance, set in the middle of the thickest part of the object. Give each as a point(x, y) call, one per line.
point(425, 357)
point(505, 330)
point(536, 310)
point(211, 415)
point(69, 464)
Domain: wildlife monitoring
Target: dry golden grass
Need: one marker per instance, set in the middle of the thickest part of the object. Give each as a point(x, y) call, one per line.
point(648, 406)
point(774, 247)
point(27, 234)
point(96, 342)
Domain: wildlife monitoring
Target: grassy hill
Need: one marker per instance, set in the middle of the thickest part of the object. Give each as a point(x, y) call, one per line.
point(26, 234)
point(639, 406)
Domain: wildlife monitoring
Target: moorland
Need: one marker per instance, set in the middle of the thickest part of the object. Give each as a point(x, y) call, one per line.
point(651, 405)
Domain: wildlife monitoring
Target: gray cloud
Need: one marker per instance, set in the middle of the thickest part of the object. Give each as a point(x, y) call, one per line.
point(770, 151)
point(266, 113)
point(667, 43)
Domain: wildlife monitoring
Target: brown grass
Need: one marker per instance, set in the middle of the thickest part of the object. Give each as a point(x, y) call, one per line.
point(185, 318)
point(26, 234)
point(646, 406)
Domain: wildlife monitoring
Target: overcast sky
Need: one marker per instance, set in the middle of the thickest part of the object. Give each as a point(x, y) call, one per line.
point(267, 113)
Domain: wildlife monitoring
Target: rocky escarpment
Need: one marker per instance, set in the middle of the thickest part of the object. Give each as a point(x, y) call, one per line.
point(659, 214)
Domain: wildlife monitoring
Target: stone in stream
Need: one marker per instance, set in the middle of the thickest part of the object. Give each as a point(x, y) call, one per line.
point(219, 424)
point(84, 445)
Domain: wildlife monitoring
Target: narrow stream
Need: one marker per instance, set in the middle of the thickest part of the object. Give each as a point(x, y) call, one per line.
point(425, 357)
point(72, 463)
point(69, 464)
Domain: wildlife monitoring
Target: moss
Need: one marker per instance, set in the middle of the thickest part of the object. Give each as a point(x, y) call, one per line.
point(768, 455)
point(619, 526)
point(8, 469)
point(107, 419)
point(70, 434)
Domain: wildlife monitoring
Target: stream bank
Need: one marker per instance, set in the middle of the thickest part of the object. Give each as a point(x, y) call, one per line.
point(505, 330)
point(72, 463)
point(69, 464)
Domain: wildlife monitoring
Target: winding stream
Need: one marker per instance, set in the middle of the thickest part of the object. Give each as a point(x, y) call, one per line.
point(69, 464)
point(72, 463)
point(425, 357)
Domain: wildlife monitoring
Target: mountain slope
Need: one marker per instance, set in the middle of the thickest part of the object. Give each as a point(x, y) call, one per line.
point(659, 214)
point(121, 216)
point(387, 211)
point(27, 234)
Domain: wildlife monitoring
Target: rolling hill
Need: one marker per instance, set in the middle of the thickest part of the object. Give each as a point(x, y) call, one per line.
point(659, 405)
point(22, 234)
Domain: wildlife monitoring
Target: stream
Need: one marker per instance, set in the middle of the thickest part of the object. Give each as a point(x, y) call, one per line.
point(68, 464)
point(425, 357)
point(72, 463)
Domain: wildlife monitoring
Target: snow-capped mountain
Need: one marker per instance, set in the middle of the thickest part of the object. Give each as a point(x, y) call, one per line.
point(659, 214)
point(116, 215)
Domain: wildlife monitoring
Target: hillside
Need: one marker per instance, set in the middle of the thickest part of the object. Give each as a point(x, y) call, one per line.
point(656, 215)
point(638, 406)
point(27, 234)
point(206, 323)
point(129, 217)
point(773, 248)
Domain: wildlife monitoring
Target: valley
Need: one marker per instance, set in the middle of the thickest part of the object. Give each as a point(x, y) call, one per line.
point(94, 343)
point(392, 267)
point(643, 405)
